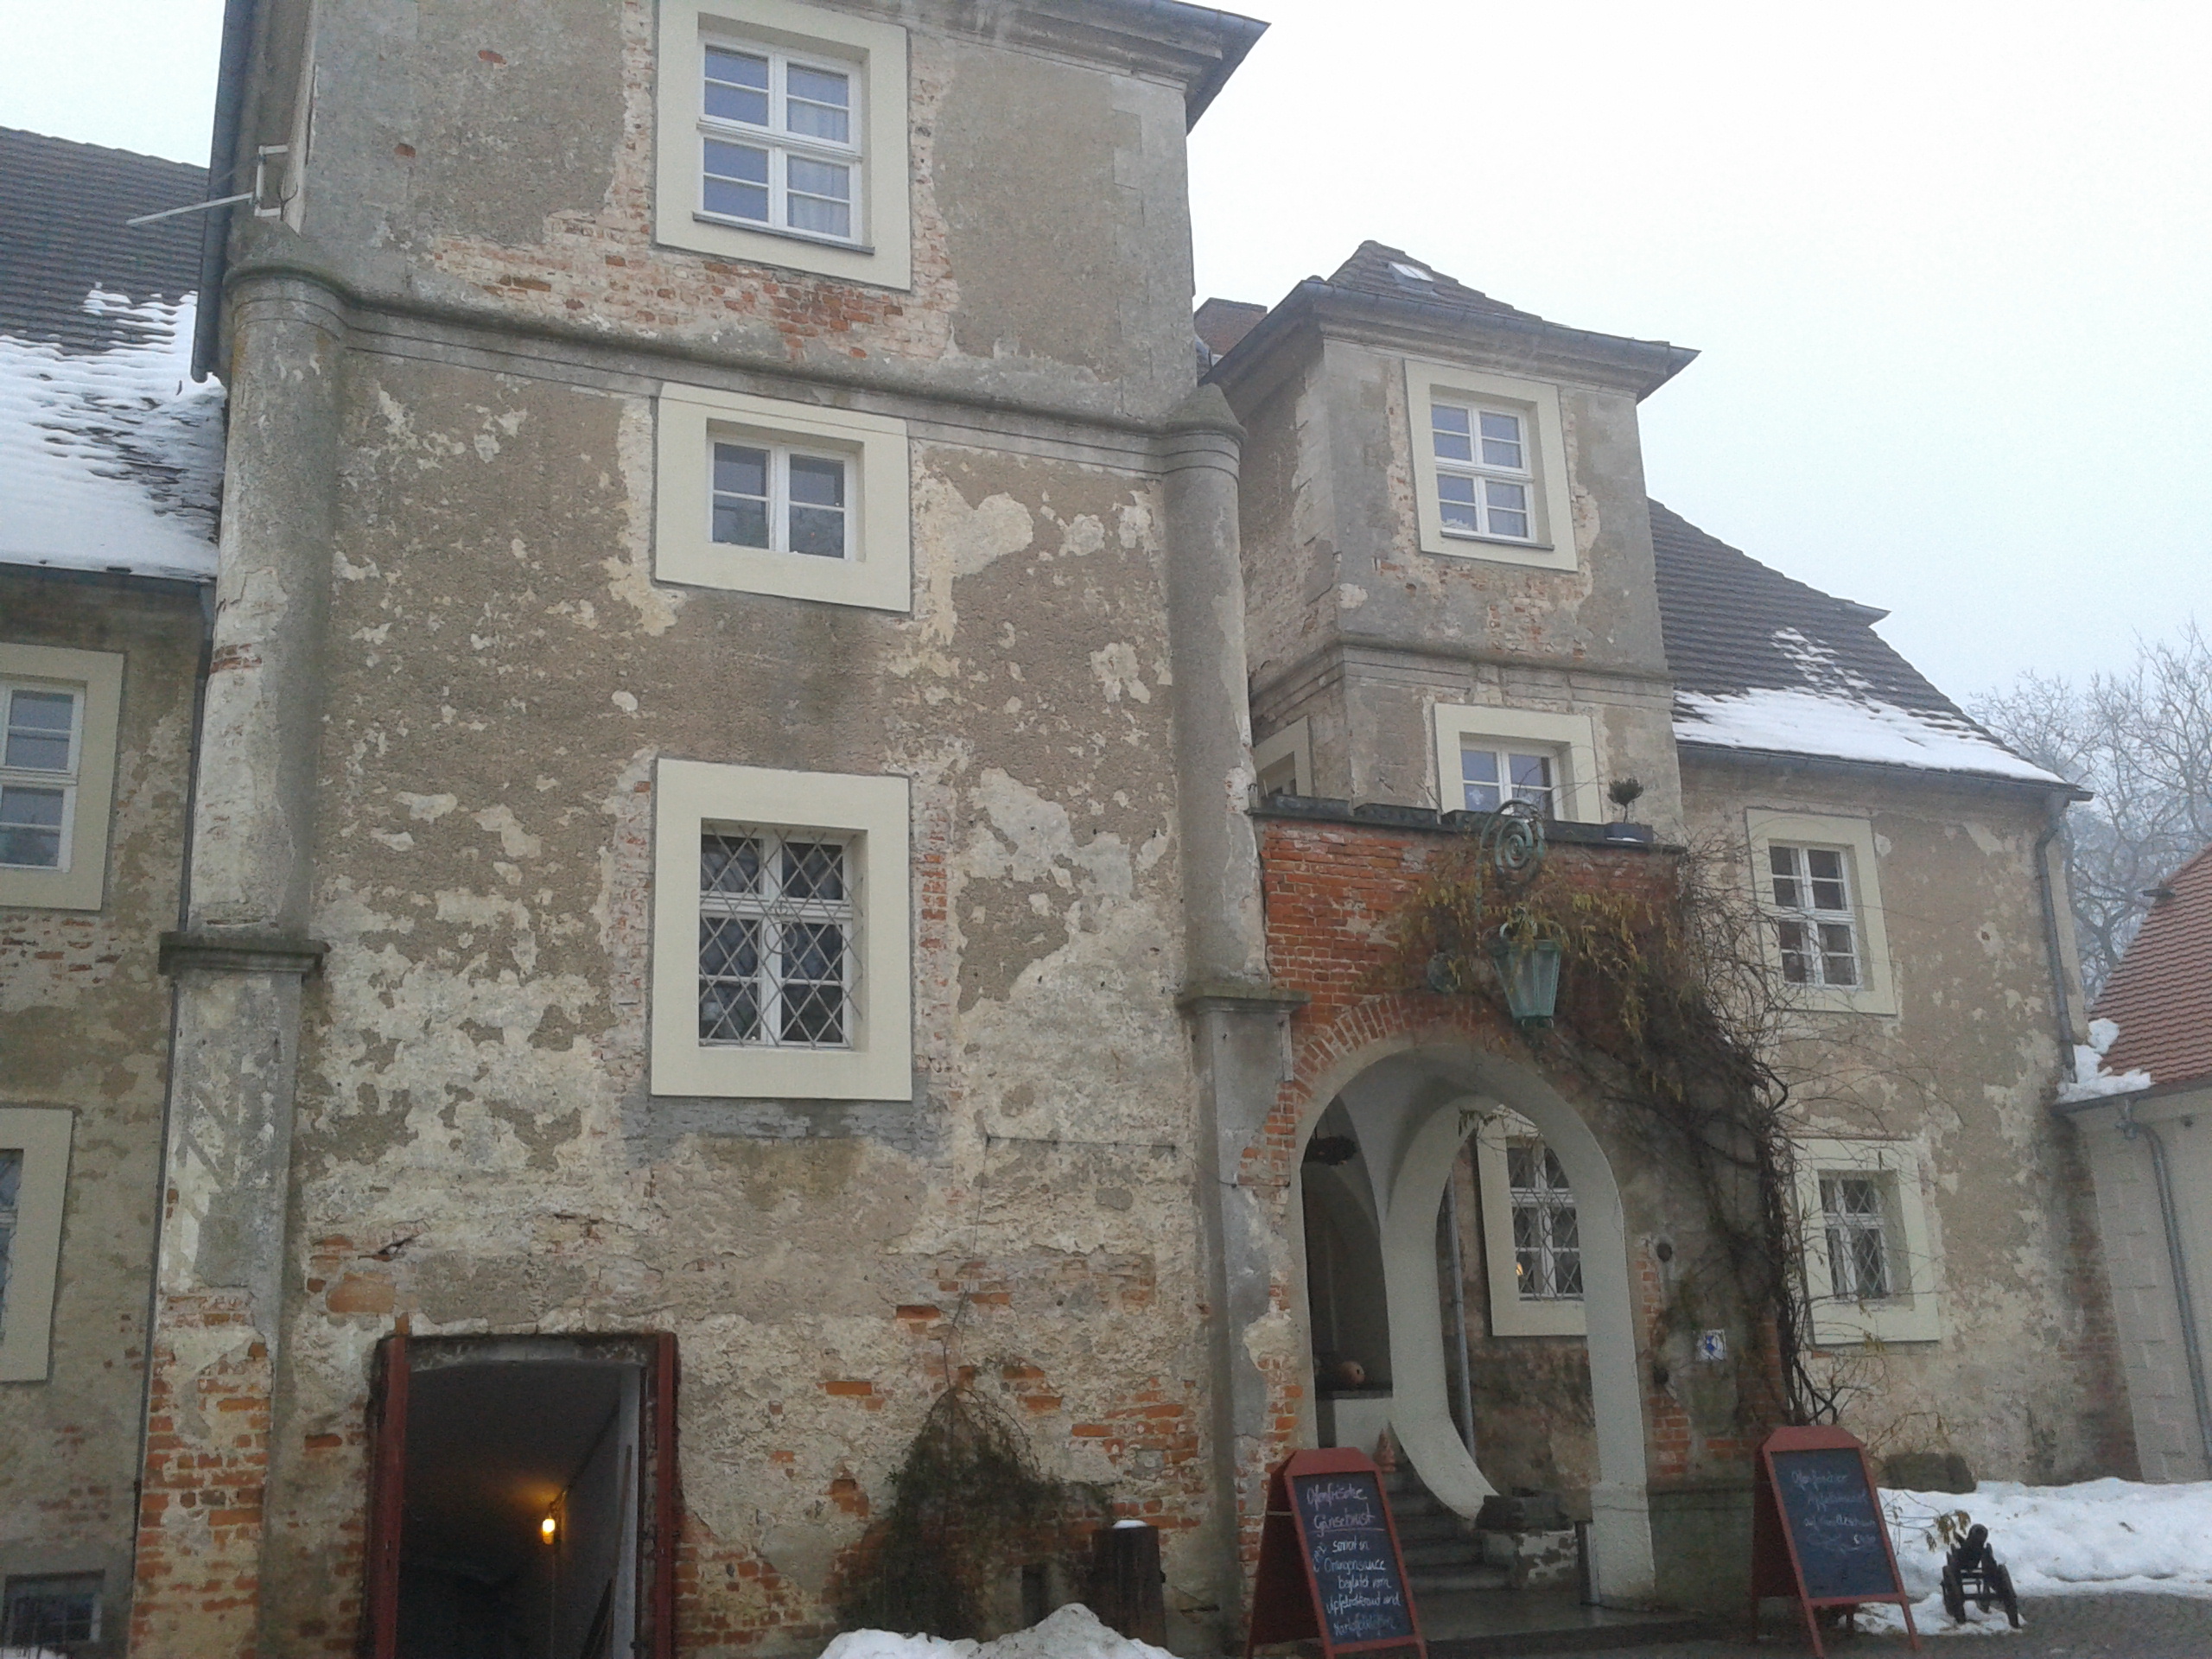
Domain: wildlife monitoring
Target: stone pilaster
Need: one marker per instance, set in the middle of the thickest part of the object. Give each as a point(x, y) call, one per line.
point(238, 967)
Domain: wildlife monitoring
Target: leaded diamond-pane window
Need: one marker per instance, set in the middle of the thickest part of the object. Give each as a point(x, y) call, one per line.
point(1859, 1258)
point(50, 1611)
point(11, 1181)
point(1546, 1235)
point(779, 947)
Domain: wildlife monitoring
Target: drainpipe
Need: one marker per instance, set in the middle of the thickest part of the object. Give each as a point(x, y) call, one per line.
point(1459, 1309)
point(2054, 821)
point(2177, 1261)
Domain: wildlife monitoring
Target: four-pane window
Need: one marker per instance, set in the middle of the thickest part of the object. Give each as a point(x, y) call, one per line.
point(780, 143)
point(39, 755)
point(1491, 777)
point(1815, 923)
point(1485, 481)
point(1546, 1235)
point(1858, 1238)
point(782, 500)
point(778, 959)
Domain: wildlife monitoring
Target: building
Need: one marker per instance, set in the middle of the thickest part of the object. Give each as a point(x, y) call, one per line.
point(724, 887)
point(2141, 1086)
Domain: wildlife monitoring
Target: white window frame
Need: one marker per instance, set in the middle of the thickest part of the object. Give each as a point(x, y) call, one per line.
point(1502, 754)
point(781, 143)
point(873, 53)
point(1813, 953)
point(1876, 993)
point(1912, 1311)
point(877, 570)
point(43, 1134)
point(1290, 749)
point(1512, 1315)
point(1482, 472)
point(95, 678)
point(1570, 739)
point(1550, 543)
point(771, 912)
point(870, 816)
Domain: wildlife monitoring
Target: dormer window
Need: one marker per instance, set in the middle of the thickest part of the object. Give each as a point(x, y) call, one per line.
point(1483, 476)
point(780, 142)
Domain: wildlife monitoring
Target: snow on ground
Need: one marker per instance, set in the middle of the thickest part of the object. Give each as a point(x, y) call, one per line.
point(2103, 1537)
point(1073, 1632)
point(110, 460)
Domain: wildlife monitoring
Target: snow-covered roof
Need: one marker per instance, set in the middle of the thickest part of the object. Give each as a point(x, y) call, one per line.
point(1764, 664)
point(110, 459)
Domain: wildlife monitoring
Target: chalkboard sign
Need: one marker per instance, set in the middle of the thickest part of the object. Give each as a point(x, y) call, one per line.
point(1817, 1533)
point(1353, 1556)
point(1841, 1551)
point(1329, 1561)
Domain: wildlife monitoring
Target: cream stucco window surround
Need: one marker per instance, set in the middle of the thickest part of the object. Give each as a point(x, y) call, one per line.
point(763, 496)
point(1870, 1262)
point(1284, 763)
point(1495, 489)
point(1568, 742)
point(33, 1183)
point(782, 958)
point(59, 710)
point(1798, 862)
point(1532, 1249)
point(781, 137)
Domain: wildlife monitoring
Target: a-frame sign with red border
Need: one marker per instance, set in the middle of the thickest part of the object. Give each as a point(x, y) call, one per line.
point(1818, 1536)
point(1330, 1565)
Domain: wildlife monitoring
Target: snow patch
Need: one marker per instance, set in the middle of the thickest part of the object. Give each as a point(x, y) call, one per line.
point(1847, 727)
point(2091, 1081)
point(113, 460)
point(1073, 1632)
point(2101, 1537)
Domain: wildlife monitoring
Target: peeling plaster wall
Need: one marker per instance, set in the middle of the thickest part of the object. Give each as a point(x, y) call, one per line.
point(475, 1146)
point(504, 156)
point(84, 1021)
point(1353, 626)
point(2027, 1380)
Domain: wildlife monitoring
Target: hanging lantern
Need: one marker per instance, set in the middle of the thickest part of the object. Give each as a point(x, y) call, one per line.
point(1526, 953)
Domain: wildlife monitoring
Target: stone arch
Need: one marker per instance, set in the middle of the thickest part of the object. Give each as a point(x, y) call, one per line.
point(1450, 1063)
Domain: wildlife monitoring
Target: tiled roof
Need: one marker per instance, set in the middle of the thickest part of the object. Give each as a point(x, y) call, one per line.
point(62, 207)
point(1762, 662)
point(1392, 274)
point(2160, 996)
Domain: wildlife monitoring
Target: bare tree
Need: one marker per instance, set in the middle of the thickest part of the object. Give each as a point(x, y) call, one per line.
point(2142, 741)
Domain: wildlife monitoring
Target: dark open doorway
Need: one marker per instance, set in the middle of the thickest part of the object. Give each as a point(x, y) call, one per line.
point(519, 1509)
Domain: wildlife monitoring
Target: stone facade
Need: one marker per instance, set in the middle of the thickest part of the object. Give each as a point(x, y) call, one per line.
point(411, 1044)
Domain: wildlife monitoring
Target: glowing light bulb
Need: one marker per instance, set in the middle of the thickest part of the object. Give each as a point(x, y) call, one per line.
point(546, 1528)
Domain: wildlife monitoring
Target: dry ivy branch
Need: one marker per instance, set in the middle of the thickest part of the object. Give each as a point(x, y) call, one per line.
point(967, 1501)
point(1669, 1008)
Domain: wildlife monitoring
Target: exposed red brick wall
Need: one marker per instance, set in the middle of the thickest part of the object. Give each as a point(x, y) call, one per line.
point(197, 1587)
point(1333, 892)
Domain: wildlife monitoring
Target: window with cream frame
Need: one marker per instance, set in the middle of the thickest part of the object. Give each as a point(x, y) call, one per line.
point(1870, 1261)
point(763, 496)
point(33, 1183)
point(1482, 752)
point(1532, 1242)
point(781, 134)
point(59, 710)
point(1283, 764)
point(1817, 879)
point(782, 961)
point(1489, 466)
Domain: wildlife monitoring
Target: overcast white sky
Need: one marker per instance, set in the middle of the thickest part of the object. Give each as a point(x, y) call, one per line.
point(1947, 262)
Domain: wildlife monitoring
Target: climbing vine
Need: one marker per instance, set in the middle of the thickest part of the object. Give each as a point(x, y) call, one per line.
point(1667, 1006)
point(968, 1503)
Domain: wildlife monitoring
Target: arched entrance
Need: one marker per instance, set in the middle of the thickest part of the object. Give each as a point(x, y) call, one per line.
point(1410, 1106)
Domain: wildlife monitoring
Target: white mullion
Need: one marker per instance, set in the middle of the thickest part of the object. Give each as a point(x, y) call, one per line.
point(779, 499)
point(772, 939)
